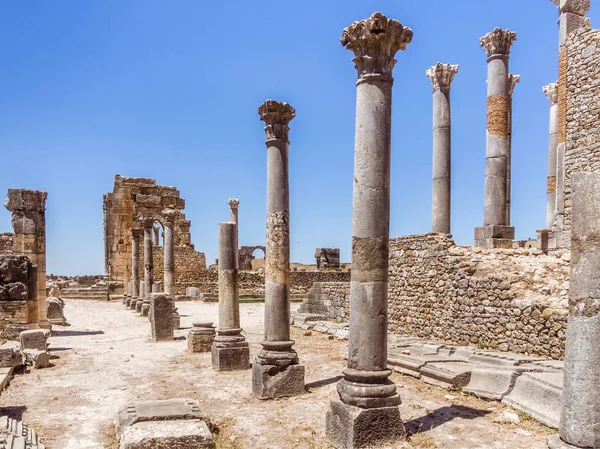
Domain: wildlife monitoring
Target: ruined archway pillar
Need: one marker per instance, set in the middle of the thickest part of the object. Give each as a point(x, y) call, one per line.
point(148, 266)
point(275, 370)
point(495, 231)
point(580, 412)
point(512, 82)
point(551, 91)
point(233, 217)
point(230, 350)
point(367, 411)
point(441, 76)
point(135, 267)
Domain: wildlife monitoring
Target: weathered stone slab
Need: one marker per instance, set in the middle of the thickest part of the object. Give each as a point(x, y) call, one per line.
point(167, 410)
point(538, 394)
point(495, 358)
point(492, 382)
point(231, 357)
point(10, 355)
point(5, 377)
point(554, 442)
point(177, 434)
point(412, 364)
point(192, 292)
point(161, 317)
point(34, 339)
point(450, 375)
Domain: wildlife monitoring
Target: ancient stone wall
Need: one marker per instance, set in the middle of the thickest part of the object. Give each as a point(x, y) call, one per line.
point(512, 300)
point(582, 152)
point(190, 267)
point(131, 196)
point(331, 299)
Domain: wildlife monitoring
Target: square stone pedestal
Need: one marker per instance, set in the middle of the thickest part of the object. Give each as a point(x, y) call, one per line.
point(200, 337)
point(231, 358)
point(272, 381)
point(351, 427)
point(494, 236)
point(138, 306)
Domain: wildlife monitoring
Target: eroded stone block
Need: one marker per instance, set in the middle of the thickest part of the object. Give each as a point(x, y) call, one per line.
point(231, 358)
point(351, 427)
point(200, 337)
point(35, 339)
point(178, 434)
point(36, 358)
point(271, 381)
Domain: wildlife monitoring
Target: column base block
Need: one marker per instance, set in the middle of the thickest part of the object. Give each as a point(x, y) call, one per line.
point(494, 236)
point(351, 427)
point(554, 442)
point(272, 381)
point(138, 306)
point(145, 309)
point(232, 358)
point(176, 321)
point(133, 303)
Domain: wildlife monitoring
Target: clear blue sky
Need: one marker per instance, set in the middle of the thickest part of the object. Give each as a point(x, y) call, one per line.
point(169, 90)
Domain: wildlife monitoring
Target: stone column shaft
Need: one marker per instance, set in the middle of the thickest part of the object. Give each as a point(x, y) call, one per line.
point(135, 264)
point(229, 311)
point(580, 414)
point(233, 217)
point(148, 263)
point(551, 92)
point(367, 412)
point(275, 371)
point(169, 255)
point(441, 76)
point(512, 81)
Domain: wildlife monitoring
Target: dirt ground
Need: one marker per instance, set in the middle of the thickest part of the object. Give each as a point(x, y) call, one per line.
point(105, 359)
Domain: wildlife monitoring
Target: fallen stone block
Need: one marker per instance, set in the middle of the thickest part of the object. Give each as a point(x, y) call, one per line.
point(166, 410)
point(450, 375)
point(14, 435)
point(538, 394)
point(5, 377)
point(10, 355)
point(35, 339)
point(36, 359)
point(177, 434)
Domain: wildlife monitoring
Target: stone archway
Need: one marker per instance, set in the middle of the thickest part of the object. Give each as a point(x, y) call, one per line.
point(246, 257)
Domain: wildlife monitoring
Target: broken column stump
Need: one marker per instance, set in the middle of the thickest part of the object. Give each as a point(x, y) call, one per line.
point(201, 336)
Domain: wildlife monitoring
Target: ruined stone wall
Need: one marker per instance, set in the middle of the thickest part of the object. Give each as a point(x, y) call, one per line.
point(190, 267)
point(512, 300)
point(331, 299)
point(18, 295)
point(129, 197)
point(582, 152)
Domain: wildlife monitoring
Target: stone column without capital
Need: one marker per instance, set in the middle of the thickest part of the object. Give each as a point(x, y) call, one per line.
point(512, 82)
point(135, 267)
point(148, 267)
point(580, 412)
point(495, 231)
point(441, 76)
point(230, 349)
point(551, 91)
point(367, 412)
point(169, 262)
point(233, 217)
point(275, 370)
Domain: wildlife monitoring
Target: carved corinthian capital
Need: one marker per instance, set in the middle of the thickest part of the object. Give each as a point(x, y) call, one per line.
point(498, 42)
point(551, 91)
point(233, 203)
point(277, 116)
point(442, 75)
point(375, 42)
point(512, 82)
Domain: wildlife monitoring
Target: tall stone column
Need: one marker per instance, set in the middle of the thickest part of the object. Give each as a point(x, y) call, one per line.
point(580, 412)
point(148, 266)
point(367, 412)
point(512, 82)
point(496, 232)
point(230, 350)
point(441, 76)
point(551, 91)
point(135, 267)
point(156, 235)
point(275, 370)
point(169, 262)
point(233, 217)
point(28, 209)
point(572, 17)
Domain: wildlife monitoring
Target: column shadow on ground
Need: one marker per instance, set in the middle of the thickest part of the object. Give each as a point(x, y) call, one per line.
point(76, 333)
point(324, 382)
point(441, 416)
